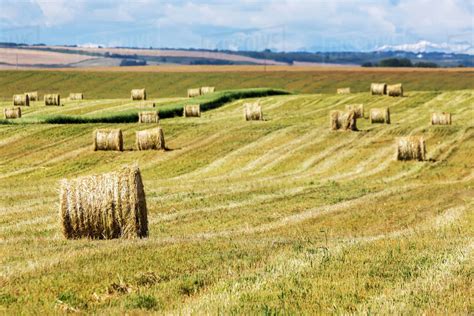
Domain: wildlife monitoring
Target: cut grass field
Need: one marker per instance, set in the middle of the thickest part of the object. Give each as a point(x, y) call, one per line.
point(275, 216)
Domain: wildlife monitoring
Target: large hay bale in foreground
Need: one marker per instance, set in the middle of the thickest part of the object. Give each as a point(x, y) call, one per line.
point(21, 100)
point(33, 96)
point(110, 205)
point(253, 112)
point(395, 90)
point(380, 115)
point(152, 139)
point(52, 99)
point(343, 91)
point(108, 139)
point(192, 110)
point(340, 120)
point(194, 92)
point(207, 90)
point(138, 94)
point(411, 148)
point(357, 108)
point(76, 96)
point(148, 117)
point(12, 113)
point(441, 118)
point(378, 88)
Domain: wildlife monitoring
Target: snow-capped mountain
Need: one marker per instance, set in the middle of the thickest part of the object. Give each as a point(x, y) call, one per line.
point(428, 47)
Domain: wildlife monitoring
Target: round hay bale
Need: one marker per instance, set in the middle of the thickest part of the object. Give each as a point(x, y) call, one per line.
point(378, 88)
point(357, 108)
point(253, 112)
point(108, 139)
point(138, 94)
point(12, 113)
point(344, 91)
point(76, 96)
point(21, 100)
point(441, 118)
point(207, 90)
point(148, 117)
point(106, 206)
point(380, 115)
point(152, 139)
point(52, 99)
point(340, 120)
point(194, 92)
point(33, 96)
point(411, 148)
point(395, 90)
point(192, 110)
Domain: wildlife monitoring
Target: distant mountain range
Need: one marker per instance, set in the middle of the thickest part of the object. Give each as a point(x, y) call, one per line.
point(429, 47)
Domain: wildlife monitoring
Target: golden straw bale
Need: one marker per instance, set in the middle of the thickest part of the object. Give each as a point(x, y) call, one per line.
point(21, 99)
point(52, 99)
point(106, 206)
point(380, 115)
point(108, 139)
point(441, 118)
point(340, 120)
point(192, 110)
point(138, 94)
point(194, 92)
point(378, 88)
point(344, 91)
point(395, 90)
point(207, 90)
point(148, 117)
point(253, 112)
point(357, 108)
point(152, 139)
point(76, 96)
point(411, 148)
point(12, 113)
point(33, 96)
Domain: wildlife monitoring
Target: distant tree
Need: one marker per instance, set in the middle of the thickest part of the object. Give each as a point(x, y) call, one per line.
point(133, 62)
point(368, 64)
point(423, 64)
point(396, 62)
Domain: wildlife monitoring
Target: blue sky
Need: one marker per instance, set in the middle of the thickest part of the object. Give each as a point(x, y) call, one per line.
point(316, 25)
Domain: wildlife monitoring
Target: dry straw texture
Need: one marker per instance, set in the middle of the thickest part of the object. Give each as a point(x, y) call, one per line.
point(253, 112)
point(52, 99)
point(108, 139)
point(106, 206)
point(207, 90)
point(21, 99)
point(441, 118)
point(152, 139)
point(380, 115)
point(192, 110)
point(357, 108)
point(76, 96)
point(138, 94)
point(194, 92)
point(395, 90)
point(343, 90)
point(148, 117)
point(378, 88)
point(411, 148)
point(340, 120)
point(12, 113)
point(33, 96)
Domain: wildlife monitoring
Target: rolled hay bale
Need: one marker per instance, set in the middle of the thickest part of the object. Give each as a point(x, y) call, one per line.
point(357, 108)
point(344, 91)
point(106, 206)
point(340, 120)
point(105, 139)
point(378, 88)
point(411, 148)
point(52, 99)
point(194, 92)
point(192, 110)
point(207, 90)
point(379, 115)
point(395, 90)
point(138, 94)
point(253, 112)
point(12, 113)
point(441, 118)
point(21, 100)
point(152, 139)
point(148, 117)
point(76, 96)
point(33, 96)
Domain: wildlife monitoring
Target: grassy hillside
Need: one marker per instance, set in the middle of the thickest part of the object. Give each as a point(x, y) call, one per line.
point(169, 84)
point(251, 217)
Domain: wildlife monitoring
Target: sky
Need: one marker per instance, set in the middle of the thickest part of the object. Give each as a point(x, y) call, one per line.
point(280, 25)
